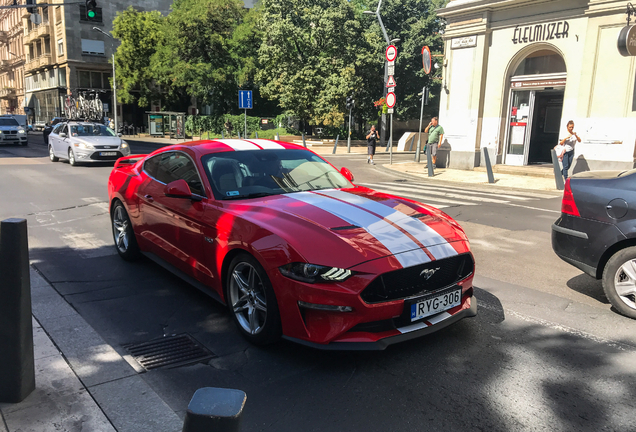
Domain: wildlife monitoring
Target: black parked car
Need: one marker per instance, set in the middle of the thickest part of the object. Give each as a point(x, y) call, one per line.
point(597, 232)
point(49, 127)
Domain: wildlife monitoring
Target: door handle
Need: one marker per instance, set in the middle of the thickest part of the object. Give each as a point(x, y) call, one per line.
point(149, 197)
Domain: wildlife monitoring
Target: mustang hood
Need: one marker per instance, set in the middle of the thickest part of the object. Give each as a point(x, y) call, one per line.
point(344, 228)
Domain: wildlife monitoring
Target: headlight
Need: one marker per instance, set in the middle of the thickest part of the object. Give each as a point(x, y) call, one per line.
point(124, 144)
point(21, 131)
point(84, 146)
point(313, 273)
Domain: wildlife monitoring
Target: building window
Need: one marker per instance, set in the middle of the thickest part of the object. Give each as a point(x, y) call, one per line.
point(90, 46)
point(60, 47)
point(83, 17)
point(541, 62)
point(61, 74)
point(107, 83)
point(58, 15)
point(84, 79)
point(96, 80)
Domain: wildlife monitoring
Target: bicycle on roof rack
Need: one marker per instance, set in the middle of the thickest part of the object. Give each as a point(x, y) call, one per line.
point(86, 106)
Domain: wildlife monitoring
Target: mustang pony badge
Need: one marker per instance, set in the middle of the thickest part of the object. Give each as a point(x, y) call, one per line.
point(428, 273)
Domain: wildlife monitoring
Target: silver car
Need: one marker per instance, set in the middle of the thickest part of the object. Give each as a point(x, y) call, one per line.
point(81, 142)
point(11, 132)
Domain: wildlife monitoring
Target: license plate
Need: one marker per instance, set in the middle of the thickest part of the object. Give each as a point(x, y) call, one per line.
point(435, 304)
point(108, 154)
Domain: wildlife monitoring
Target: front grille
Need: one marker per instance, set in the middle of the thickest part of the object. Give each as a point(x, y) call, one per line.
point(105, 147)
point(96, 156)
point(410, 281)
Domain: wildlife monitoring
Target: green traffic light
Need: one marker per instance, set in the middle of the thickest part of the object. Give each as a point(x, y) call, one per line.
point(91, 14)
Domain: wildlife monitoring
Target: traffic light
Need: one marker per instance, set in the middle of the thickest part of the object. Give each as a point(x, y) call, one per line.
point(91, 9)
point(350, 102)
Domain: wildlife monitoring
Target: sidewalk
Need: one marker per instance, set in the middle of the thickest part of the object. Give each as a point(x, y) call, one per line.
point(516, 177)
point(82, 383)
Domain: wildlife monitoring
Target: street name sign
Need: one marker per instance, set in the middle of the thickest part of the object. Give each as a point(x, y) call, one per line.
point(245, 99)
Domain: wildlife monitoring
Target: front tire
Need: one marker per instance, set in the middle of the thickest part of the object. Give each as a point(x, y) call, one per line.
point(252, 301)
point(123, 234)
point(71, 157)
point(52, 155)
point(619, 281)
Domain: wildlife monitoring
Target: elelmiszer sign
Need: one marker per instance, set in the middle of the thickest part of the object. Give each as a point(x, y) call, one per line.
point(541, 32)
point(627, 41)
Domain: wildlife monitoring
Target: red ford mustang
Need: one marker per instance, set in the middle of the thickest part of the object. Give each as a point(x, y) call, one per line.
point(291, 245)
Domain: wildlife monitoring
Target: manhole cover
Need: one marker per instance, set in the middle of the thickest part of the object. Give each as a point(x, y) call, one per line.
point(169, 352)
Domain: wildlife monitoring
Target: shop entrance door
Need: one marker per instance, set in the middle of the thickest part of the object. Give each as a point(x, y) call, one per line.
point(546, 119)
point(533, 126)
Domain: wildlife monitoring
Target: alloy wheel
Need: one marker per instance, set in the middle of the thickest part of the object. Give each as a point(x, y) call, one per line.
point(247, 298)
point(625, 283)
point(71, 157)
point(120, 229)
point(52, 155)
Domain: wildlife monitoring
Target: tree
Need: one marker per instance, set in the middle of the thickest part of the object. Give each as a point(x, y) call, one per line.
point(140, 33)
point(309, 57)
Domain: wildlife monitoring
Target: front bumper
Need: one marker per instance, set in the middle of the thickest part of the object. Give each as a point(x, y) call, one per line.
point(99, 155)
point(13, 138)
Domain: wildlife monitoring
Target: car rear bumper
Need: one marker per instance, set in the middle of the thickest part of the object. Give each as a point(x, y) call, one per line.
point(582, 242)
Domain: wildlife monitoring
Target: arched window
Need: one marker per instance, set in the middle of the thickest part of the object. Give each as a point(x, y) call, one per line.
point(541, 62)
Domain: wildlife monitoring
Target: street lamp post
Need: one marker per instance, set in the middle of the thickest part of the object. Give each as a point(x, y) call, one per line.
point(114, 78)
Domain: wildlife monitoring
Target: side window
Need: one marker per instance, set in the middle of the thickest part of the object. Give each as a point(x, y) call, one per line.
point(64, 129)
point(150, 166)
point(57, 128)
point(175, 166)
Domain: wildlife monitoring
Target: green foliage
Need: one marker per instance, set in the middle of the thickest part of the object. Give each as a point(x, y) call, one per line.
point(304, 64)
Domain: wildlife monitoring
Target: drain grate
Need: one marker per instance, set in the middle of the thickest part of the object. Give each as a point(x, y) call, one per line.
point(169, 352)
point(400, 181)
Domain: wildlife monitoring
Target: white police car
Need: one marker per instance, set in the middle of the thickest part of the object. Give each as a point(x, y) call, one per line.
point(11, 132)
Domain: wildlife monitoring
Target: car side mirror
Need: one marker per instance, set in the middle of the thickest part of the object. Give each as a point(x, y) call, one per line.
point(180, 189)
point(119, 135)
point(346, 173)
point(62, 135)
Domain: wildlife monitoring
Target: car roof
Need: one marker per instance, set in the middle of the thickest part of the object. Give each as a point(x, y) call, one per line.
point(204, 147)
point(84, 123)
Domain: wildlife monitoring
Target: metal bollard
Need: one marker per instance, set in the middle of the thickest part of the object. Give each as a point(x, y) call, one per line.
point(256, 134)
point(491, 177)
point(304, 143)
point(429, 161)
point(335, 146)
point(17, 369)
point(222, 134)
point(411, 145)
point(215, 410)
point(558, 175)
point(277, 137)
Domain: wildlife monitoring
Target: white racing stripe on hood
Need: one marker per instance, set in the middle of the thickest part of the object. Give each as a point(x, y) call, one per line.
point(266, 144)
point(435, 243)
point(406, 251)
point(238, 144)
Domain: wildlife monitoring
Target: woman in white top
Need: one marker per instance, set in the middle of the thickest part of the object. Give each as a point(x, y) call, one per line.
point(568, 144)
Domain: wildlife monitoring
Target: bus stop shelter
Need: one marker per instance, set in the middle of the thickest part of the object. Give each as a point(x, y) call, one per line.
point(166, 124)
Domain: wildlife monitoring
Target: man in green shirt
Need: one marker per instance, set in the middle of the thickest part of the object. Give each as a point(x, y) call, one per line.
point(435, 136)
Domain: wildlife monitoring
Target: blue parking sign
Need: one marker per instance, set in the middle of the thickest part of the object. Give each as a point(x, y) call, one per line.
point(245, 99)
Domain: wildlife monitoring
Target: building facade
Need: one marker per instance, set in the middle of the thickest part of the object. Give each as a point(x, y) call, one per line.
point(66, 55)
point(12, 58)
point(516, 71)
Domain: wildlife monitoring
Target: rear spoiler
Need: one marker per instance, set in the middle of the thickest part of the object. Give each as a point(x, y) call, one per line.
point(128, 160)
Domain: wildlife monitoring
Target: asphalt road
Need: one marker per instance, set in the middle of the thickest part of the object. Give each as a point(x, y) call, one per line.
point(546, 352)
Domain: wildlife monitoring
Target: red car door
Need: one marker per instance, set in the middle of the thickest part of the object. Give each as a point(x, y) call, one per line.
point(172, 226)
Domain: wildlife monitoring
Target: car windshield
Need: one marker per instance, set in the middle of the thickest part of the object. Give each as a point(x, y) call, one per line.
point(91, 130)
point(254, 173)
point(8, 122)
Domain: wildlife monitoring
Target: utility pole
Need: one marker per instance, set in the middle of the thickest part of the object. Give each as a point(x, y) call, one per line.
point(114, 78)
point(350, 104)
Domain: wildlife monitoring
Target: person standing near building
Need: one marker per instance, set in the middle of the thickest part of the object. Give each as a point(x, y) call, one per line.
point(569, 142)
point(435, 135)
point(371, 137)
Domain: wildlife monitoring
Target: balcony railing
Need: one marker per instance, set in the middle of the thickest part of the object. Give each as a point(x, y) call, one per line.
point(39, 62)
point(5, 66)
point(7, 93)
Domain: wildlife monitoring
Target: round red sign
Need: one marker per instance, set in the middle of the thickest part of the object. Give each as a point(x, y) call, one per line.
point(391, 53)
point(390, 99)
point(426, 60)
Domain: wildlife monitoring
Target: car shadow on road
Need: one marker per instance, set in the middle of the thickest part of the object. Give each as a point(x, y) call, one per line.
point(587, 285)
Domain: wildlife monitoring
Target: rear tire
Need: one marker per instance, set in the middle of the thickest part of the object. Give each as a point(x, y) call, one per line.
point(52, 155)
point(252, 302)
point(619, 281)
point(123, 234)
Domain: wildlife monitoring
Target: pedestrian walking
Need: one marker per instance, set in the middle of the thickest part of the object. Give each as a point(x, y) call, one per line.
point(371, 138)
point(111, 123)
point(435, 135)
point(568, 143)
